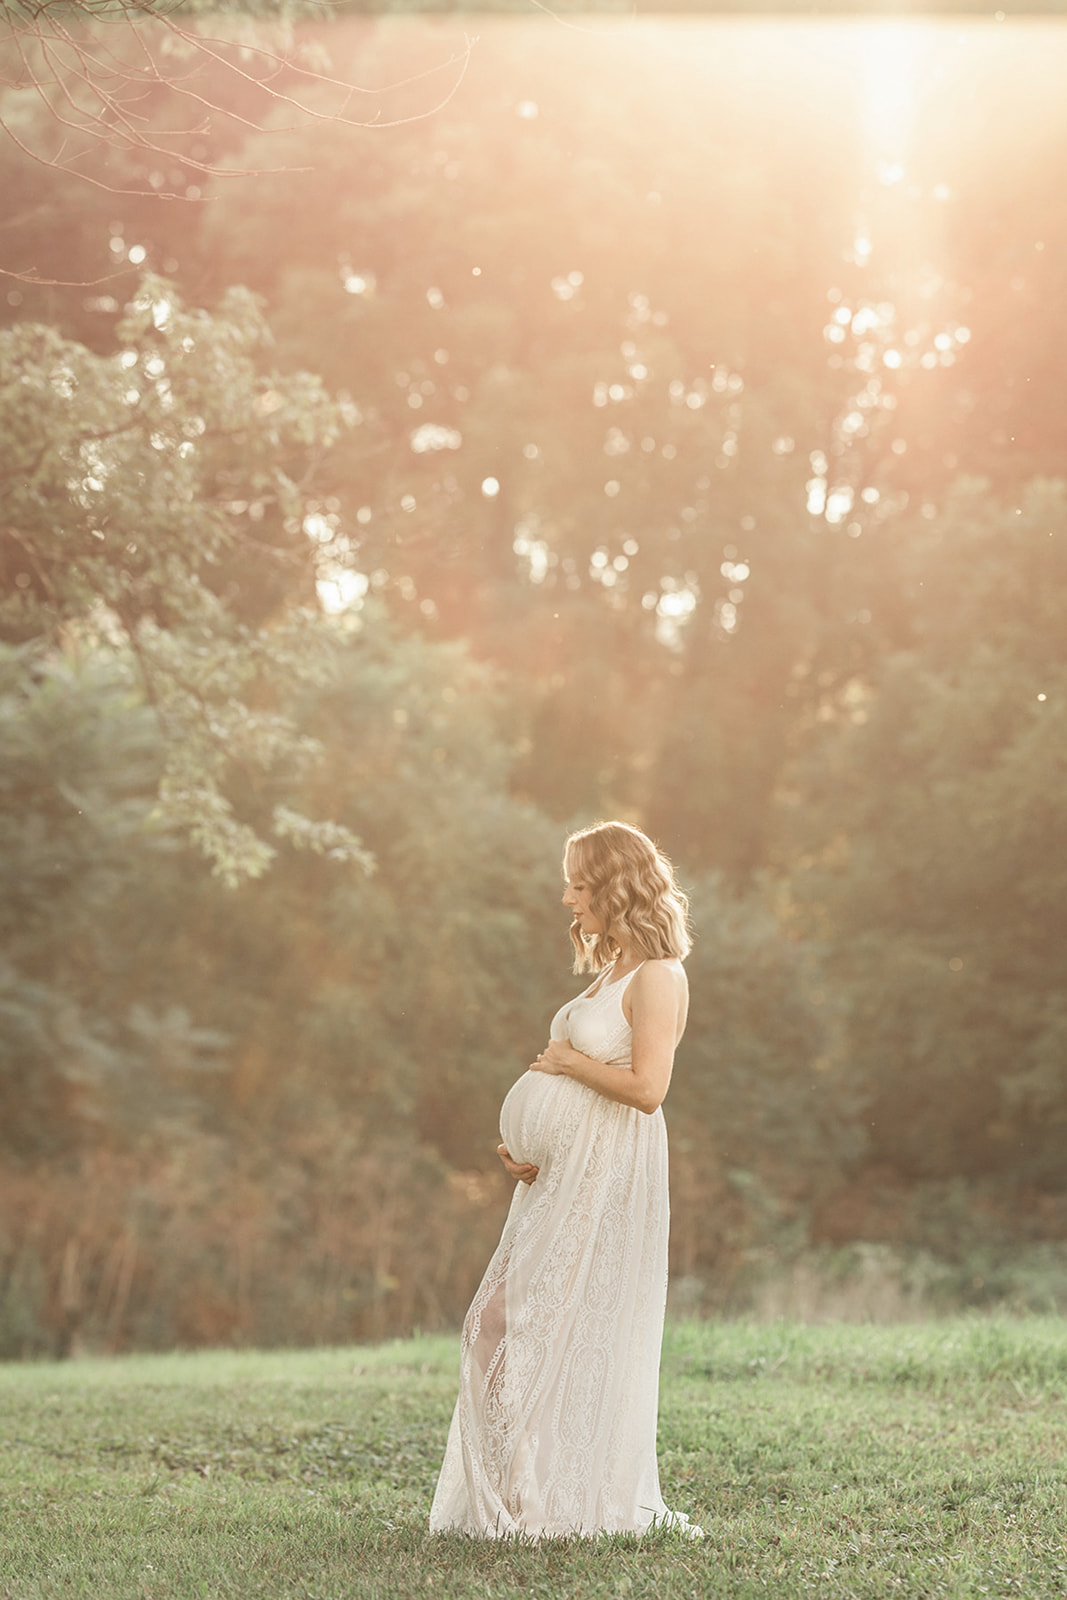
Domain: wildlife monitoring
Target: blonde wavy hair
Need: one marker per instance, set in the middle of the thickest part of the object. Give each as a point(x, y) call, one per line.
point(632, 891)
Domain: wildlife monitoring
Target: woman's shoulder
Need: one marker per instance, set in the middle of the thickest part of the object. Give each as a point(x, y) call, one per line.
point(659, 990)
point(662, 972)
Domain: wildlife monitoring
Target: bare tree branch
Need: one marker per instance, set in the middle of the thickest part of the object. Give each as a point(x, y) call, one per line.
point(103, 89)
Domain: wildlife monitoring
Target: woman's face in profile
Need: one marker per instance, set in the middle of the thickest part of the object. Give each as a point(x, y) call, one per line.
point(576, 899)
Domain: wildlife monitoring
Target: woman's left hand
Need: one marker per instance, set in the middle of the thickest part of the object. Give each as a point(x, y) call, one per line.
point(554, 1058)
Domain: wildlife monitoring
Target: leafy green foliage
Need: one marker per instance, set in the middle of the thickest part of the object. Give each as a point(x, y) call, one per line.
point(761, 1112)
point(934, 824)
point(136, 486)
point(85, 1053)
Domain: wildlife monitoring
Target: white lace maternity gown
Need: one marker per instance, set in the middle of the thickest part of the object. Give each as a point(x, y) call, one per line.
point(554, 1431)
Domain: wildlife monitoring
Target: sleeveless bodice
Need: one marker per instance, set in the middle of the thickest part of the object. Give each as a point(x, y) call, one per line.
point(596, 1024)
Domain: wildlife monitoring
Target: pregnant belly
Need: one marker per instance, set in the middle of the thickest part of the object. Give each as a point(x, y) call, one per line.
point(537, 1117)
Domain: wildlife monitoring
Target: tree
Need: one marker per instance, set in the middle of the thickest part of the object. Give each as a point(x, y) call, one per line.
point(765, 1114)
point(85, 1054)
point(142, 999)
point(155, 499)
point(930, 819)
point(161, 87)
point(632, 305)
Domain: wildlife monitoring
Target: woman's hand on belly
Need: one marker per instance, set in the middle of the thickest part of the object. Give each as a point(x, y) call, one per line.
point(523, 1170)
point(556, 1058)
point(560, 1059)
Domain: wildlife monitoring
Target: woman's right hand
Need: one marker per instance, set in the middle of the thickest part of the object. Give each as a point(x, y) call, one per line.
point(523, 1170)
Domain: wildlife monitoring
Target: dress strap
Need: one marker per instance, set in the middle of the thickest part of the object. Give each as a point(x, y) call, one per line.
point(592, 989)
point(609, 983)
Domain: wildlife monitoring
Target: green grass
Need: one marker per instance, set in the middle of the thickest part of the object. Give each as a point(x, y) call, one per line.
point(837, 1461)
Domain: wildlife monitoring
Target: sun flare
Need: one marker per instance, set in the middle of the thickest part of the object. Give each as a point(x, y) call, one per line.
point(890, 61)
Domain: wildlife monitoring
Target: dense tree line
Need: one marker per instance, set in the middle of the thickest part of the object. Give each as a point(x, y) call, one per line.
point(668, 453)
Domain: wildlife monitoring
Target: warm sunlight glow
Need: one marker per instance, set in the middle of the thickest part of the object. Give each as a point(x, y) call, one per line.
point(890, 55)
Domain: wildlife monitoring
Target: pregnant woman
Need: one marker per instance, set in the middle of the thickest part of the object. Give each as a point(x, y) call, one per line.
point(554, 1431)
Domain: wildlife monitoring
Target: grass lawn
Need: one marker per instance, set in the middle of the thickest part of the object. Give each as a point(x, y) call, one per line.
point(927, 1460)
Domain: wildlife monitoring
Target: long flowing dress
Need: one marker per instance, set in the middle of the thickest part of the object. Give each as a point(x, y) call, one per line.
point(554, 1430)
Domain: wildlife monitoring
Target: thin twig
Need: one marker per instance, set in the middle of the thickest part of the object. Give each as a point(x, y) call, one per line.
point(62, 283)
